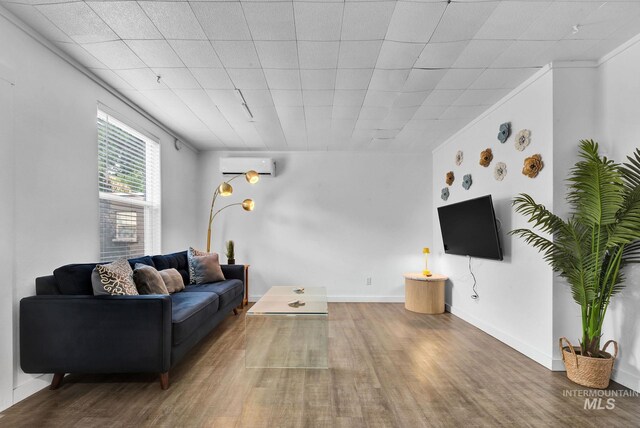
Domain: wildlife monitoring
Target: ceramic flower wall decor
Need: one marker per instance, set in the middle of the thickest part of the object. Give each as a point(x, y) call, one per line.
point(486, 156)
point(444, 194)
point(466, 181)
point(505, 131)
point(532, 166)
point(523, 138)
point(500, 171)
point(459, 157)
point(449, 178)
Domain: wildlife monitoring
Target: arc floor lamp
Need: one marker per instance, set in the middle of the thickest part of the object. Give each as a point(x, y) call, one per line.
point(225, 189)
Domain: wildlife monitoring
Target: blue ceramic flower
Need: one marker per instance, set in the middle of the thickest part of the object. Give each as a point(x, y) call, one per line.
point(445, 193)
point(505, 131)
point(466, 181)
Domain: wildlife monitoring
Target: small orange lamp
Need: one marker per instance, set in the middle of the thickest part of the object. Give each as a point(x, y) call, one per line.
point(426, 271)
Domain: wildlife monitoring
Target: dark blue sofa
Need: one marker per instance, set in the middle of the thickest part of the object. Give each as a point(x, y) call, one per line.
point(66, 329)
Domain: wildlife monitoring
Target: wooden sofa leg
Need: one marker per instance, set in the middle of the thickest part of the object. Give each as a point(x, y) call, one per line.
point(235, 311)
point(57, 381)
point(164, 380)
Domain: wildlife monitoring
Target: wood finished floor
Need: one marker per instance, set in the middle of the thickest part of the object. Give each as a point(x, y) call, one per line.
point(389, 367)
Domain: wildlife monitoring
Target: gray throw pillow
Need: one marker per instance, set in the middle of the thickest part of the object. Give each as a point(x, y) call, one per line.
point(113, 279)
point(207, 269)
point(172, 280)
point(148, 280)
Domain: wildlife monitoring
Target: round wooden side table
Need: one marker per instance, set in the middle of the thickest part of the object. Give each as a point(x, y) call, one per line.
point(424, 294)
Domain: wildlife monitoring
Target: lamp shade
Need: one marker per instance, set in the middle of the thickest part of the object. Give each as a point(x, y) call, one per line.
point(225, 189)
point(252, 176)
point(248, 205)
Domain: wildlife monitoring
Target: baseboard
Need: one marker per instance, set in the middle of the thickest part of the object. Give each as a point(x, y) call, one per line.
point(630, 380)
point(353, 299)
point(31, 387)
point(523, 348)
point(558, 365)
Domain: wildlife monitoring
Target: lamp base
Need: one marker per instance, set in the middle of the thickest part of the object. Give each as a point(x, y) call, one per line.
point(426, 272)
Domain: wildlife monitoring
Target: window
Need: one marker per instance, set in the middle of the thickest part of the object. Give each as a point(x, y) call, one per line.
point(129, 191)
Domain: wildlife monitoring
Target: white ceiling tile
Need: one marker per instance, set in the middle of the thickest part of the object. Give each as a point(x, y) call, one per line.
point(502, 78)
point(316, 98)
point(366, 20)
point(606, 19)
point(349, 97)
point(375, 113)
point(440, 55)
point(401, 114)
point(414, 22)
point(283, 79)
point(353, 78)
point(277, 54)
point(461, 21)
point(222, 20)
point(411, 99)
point(205, 109)
point(427, 112)
point(318, 113)
point(287, 97)
point(78, 21)
point(423, 80)
point(78, 53)
point(33, 18)
point(396, 55)
point(115, 55)
point(224, 97)
point(155, 53)
point(141, 79)
point(175, 20)
point(318, 55)
point(258, 98)
point(359, 54)
point(270, 21)
point(522, 53)
point(289, 114)
point(388, 80)
point(568, 50)
point(318, 21)
point(318, 79)
point(442, 97)
point(368, 124)
point(557, 20)
point(480, 97)
point(237, 54)
point(481, 53)
point(462, 112)
point(459, 78)
point(110, 77)
point(177, 78)
point(212, 78)
point(510, 19)
point(247, 78)
point(345, 112)
point(196, 53)
point(126, 18)
point(379, 98)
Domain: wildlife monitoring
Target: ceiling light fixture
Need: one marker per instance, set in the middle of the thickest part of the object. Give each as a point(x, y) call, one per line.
point(244, 104)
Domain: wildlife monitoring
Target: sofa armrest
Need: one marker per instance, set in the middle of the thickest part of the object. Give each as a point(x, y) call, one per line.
point(233, 272)
point(95, 334)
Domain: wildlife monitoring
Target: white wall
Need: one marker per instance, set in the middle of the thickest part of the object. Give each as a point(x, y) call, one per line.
point(515, 303)
point(618, 103)
point(327, 219)
point(56, 200)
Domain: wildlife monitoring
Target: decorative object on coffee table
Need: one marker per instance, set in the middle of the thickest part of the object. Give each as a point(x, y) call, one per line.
point(231, 255)
point(225, 189)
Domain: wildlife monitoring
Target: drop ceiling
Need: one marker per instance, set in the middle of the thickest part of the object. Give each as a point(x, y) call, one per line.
point(323, 75)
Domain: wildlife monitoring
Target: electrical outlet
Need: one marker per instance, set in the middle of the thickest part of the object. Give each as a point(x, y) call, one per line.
point(368, 280)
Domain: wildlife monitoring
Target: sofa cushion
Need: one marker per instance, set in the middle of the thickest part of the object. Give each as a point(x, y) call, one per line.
point(177, 261)
point(145, 260)
point(189, 311)
point(227, 290)
point(75, 279)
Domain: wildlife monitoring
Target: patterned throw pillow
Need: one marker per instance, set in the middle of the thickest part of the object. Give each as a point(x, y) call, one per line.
point(191, 253)
point(115, 278)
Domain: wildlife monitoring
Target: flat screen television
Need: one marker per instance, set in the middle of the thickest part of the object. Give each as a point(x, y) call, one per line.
point(469, 229)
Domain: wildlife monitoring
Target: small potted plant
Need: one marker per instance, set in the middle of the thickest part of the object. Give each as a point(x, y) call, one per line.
point(589, 249)
point(231, 256)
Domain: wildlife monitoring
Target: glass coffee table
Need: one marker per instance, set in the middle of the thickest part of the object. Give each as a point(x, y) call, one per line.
point(281, 336)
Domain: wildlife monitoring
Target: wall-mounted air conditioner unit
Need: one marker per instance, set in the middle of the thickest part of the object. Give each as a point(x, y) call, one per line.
point(235, 166)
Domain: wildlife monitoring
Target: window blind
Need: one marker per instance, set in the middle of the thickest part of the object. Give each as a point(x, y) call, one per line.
point(128, 190)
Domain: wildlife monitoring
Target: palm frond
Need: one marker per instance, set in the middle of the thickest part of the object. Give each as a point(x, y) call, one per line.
point(538, 214)
point(631, 170)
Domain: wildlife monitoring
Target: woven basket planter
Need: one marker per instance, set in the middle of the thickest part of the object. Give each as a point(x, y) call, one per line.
point(588, 371)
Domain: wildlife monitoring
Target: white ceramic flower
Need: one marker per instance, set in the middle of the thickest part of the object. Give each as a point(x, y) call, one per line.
point(500, 171)
point(523, 138)
point(459, 157)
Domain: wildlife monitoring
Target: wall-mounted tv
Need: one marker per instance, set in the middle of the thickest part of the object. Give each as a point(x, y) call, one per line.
point(469, 229)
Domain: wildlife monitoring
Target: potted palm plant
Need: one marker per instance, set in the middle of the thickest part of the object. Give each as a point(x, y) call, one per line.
point(231, 254)
point(589, 249)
